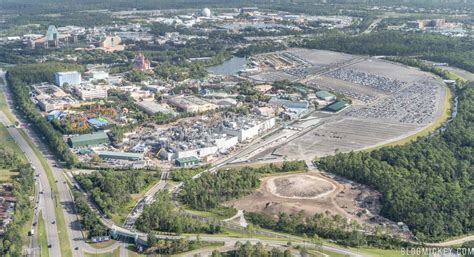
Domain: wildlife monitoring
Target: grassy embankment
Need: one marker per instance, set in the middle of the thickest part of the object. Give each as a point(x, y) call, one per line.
point(42, 237)
point(115, 253)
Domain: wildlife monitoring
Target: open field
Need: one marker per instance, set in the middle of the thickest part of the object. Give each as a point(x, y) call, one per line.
point(7, 142)
point(300, 187)
point(7, 175)
point(102, 244)
point(320, 58)
point(115, 253)
point(4, 105)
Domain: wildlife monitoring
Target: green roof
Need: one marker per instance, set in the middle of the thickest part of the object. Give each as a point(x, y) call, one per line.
point(324, 94)
point(89, 137)
point(188, 159)
point(337, 106)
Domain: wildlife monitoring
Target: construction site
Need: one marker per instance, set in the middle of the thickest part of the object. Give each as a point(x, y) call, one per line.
point(319, 192)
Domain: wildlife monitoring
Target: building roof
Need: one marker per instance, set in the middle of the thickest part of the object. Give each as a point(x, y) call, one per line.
point(98, 122)
point(337, 106)
point(324, 94)
point(88, 137)
point(187, 159)
point(121, 154)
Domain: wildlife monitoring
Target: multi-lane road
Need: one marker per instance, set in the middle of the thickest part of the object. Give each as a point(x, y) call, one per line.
point(46, 199)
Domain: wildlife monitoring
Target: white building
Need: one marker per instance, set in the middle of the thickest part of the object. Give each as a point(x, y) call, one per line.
point(70, 77)
point(97, 75)
point(249, 130)
point(90, 92)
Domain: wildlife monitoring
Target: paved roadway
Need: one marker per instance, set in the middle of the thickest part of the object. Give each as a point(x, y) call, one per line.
point(46, 199)
point(45, 202)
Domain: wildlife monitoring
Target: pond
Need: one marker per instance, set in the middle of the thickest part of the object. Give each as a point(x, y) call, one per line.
point(229, 67)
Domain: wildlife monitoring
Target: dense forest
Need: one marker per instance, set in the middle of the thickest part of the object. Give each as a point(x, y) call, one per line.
point(19, 80)
point(162, 215)
point(429, 184)
point(89, 219)
point(111, 189)
point(455, 51)
point(209, 190)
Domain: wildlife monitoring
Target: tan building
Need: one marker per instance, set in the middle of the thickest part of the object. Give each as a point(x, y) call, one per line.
point(191, 104)
point(111, 44)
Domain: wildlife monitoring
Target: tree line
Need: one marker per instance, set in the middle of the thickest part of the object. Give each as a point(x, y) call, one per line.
point(455, 51)
point(89, 219)
point(162, 215)
point(175, 246)
point(427, 184)
point(249, 250)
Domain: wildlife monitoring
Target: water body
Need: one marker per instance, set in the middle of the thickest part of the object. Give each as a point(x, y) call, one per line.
point(229, 67)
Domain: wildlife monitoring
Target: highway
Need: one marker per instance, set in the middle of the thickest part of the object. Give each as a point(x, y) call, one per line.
point(45, 202)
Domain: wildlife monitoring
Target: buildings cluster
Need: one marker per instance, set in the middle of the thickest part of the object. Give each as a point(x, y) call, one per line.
point(7, 206)
point(54, 37)
point(141, 62)
point(201, 139)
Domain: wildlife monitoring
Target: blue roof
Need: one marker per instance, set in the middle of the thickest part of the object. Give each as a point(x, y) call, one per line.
point(98, 122)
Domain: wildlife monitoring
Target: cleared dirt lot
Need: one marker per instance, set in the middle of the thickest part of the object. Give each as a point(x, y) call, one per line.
point(320, 58)
point(300, 187)
point(338, 196)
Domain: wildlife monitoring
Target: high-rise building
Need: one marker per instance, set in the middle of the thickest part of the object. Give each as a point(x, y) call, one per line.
point(52, 36)
point(141, 62)
point(69, 77)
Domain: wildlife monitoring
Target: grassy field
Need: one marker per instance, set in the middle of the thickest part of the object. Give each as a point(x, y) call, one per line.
point(115, 253)
point(322, 253)
point(7, 175)
point(66, 250)
point(102, 244)
point(7, 142)
point(42, 238)
point(428, 130)
point(4, 106)
point(454, 76)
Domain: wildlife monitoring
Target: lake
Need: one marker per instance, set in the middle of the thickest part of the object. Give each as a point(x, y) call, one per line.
point(229, 67)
